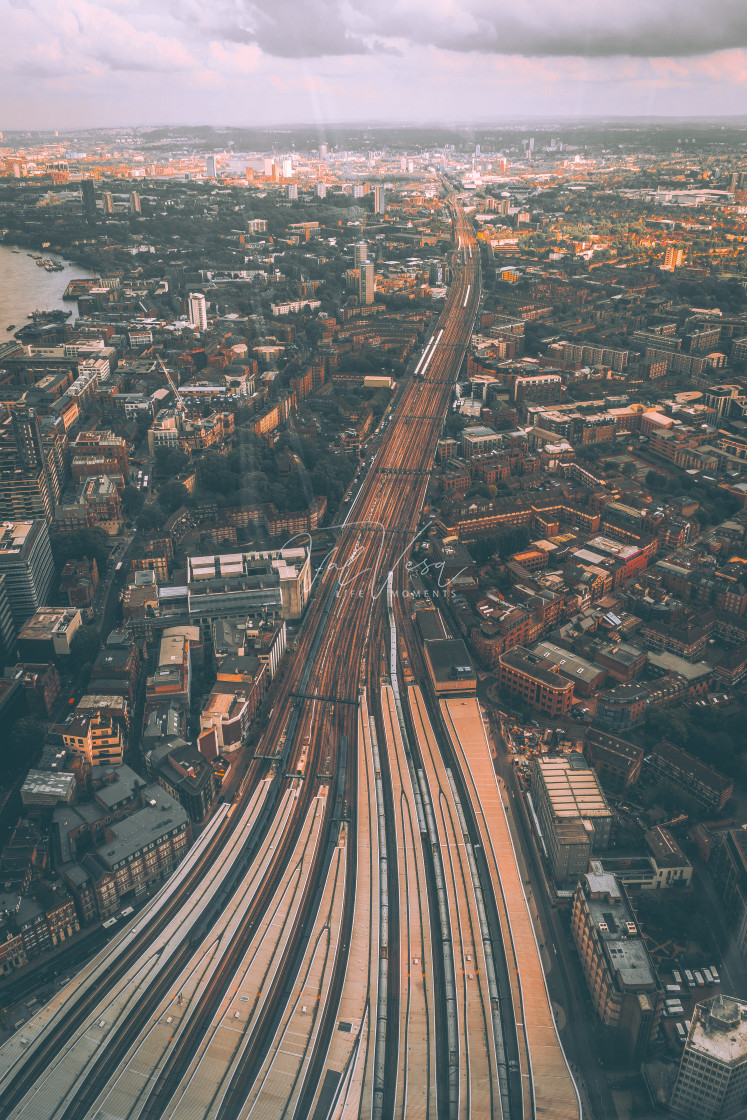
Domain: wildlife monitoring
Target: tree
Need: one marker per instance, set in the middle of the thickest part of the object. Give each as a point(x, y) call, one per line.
point(151, 517)
point(171, 496)
point(24, 743)
point(170, 462)
point(79, 544)
point(85, 646)
point(132, 500)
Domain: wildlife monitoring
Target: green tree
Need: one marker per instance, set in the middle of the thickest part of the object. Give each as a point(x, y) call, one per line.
point(170, 462)
point(23, 745)
point(85, 646)
point(79, 544)
point(132, 500)
point(171, 496)
point(151, 517)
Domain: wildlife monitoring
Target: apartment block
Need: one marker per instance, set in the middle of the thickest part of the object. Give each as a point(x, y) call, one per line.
point(622, 981)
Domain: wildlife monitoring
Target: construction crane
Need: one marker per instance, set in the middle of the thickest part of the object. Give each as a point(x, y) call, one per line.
point(181, 406)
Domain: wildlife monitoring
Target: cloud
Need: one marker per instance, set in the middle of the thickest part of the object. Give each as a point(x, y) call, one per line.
point(588, 28)
point(283, 28)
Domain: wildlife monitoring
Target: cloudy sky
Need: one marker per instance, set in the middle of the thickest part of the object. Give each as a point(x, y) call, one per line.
point(71, 63)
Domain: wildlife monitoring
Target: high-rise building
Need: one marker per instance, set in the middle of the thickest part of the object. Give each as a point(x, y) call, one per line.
point(211, 167)
point(26, 562)
point(379, 199)
point(292, 192)
point(31, 468)
point(366, 283)
point(360, 253)
point(28, 437)
point(358, 190)
point(321, 190)
point(673, 257)
point(88, 197)
point(7, 627)
point(323, 151)
point(197, 311)
point(134, 202)
point(624, 988)
point(108, 203)
point(287, 168)
point(712, 1079)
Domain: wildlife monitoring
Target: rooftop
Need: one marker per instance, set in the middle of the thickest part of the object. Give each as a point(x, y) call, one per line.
point(573, 789)
point(719, 1030)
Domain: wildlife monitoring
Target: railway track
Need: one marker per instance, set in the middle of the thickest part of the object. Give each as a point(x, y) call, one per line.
point(311, 735)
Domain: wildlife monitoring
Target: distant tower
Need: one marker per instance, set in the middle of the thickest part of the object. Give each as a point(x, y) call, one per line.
point(287, 168)
point(88, 196)
point(321, 190)
point(366, 283)
point(134, 202)
point(292, 192)
point(197, 311)
point(673, 257)
point(379, 200)
point(108, 203)
point(477, 151)
point(323, 151)
point(360, 254)
point(211, 167)
point(403, 163)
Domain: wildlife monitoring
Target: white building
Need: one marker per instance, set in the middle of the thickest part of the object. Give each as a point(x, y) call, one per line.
point(712, 1079)
point(197, 311)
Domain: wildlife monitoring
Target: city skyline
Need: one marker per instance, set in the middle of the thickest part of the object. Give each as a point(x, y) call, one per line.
point(90, 63)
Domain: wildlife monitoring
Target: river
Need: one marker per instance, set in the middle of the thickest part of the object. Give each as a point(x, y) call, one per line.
point(24, 287)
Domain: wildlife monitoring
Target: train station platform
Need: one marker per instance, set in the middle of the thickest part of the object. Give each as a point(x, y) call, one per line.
point(552, 1092)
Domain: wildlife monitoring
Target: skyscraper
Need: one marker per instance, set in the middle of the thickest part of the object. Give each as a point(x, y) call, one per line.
point(323, 151)
point(28, 437)
point(712, 1079)
point(88, 197)
point(197, 311)
point(321, 190)
point(211, 167)
point(292, 192)
point(360, 253)
point(366, 283)
point(379, 199)
point(26, 562)
point(134, 202)
point(287, 168)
